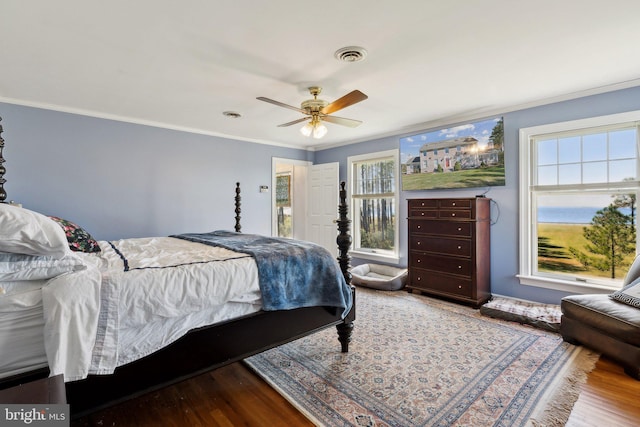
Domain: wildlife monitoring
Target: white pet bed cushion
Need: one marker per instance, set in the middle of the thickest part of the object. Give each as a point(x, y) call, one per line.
point(378, 276)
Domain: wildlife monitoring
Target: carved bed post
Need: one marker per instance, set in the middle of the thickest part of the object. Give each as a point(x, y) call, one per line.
point(238, 210)
point(3, 194)
point(343, 240)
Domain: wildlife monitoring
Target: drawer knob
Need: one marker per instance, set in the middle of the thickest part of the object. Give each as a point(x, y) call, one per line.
point(419, 278)
point(418, 227)
point(459, 267)
point(419, 261)
point(459, 286)
point(459, 228)
point(453, 214)
point(453, 204)
point(459, 247)
point(422, 213)
point(419, 242)
point(422, 203)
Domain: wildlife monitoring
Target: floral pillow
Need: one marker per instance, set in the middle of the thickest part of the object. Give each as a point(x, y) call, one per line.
point(79, 239)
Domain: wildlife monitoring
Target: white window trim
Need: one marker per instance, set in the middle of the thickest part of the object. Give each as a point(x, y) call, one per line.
point(525, 275)
point(391, 258)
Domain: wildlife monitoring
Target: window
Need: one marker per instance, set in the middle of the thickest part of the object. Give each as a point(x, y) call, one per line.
point(374, 201)
point(579, 183)
point(283, 204)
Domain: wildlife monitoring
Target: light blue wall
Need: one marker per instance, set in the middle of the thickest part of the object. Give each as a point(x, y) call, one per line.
point(504, 231)
point(120, 179)
point(125, 180)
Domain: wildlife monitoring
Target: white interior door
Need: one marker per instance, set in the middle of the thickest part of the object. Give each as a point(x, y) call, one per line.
point(322, 208)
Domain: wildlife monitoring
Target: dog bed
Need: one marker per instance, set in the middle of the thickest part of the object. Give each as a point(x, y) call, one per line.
point(379, 276)
point(543, 316)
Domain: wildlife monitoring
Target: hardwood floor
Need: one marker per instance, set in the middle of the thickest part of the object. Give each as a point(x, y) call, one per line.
point(229, 396)
point(235, 396)
point(609, 398)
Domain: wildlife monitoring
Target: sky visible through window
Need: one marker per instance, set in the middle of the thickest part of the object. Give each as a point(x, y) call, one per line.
point(604, 157)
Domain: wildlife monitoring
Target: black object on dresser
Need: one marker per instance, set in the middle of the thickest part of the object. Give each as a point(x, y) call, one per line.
point(449, 248)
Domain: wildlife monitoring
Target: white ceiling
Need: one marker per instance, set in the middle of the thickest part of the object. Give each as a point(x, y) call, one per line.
point(430, 62)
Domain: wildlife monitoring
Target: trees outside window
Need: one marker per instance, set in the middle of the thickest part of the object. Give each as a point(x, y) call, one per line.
point(374, 200)
point(578, 189)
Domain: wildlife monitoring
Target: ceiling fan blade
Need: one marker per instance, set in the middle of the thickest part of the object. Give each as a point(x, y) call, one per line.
point(280, 104)
point(342, 121)
point(347, 100)
point(294, 122)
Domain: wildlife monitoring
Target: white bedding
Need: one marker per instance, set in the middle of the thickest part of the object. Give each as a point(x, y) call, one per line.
point(21, 323)
point(103, 316)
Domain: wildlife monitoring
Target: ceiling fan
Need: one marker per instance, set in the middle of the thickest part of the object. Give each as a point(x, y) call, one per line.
point(318, 110)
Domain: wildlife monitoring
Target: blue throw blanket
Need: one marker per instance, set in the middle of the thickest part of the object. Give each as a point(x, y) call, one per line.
point(292, 273)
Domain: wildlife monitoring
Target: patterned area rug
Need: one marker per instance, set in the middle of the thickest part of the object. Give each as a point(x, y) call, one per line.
point(418, 361)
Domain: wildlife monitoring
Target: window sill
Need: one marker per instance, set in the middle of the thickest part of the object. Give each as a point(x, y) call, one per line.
point(389, 259)
point(566, 285)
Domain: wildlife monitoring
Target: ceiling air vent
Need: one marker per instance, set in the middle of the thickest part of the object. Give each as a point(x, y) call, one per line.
point(350, 54)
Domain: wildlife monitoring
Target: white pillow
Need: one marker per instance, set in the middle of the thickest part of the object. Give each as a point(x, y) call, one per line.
point(20, 267)
point(27, 232)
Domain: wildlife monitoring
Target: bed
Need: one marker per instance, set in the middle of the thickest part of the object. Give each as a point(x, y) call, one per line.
point(77, 290)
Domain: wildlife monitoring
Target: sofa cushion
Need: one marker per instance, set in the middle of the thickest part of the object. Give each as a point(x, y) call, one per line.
point(602, 313)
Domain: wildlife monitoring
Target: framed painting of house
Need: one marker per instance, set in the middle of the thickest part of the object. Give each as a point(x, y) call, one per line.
point(470, 155)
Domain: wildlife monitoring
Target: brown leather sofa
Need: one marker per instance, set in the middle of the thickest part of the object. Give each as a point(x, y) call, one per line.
point(605, 325)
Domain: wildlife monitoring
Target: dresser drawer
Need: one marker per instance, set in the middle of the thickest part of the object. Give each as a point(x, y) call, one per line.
point(454, 214)
point(441, 208)
point(441, 228)
point(437, 282)
point(423, 213)
point(461, 266)
point(456, 203)
point(441, 245)
point(423, 203)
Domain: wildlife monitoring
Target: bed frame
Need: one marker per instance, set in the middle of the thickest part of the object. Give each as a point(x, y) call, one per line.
point(211, 347)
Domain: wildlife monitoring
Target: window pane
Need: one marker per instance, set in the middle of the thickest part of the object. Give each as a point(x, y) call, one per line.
point(284, 221)
point(377, 223)
point(594, 172)
point(569, 150)
point(621, 170)
point(548, 175)
point(374, 177)
point(622, 144)
point(569, 174)
point(594, 147)
point(586, 235)
point(547, 152)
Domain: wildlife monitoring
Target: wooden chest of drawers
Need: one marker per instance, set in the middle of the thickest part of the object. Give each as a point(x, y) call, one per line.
point(449, 248)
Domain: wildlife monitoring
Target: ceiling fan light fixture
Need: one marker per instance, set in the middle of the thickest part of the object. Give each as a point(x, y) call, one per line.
point(314, 128)
point(319, 131)
point(307, 129)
